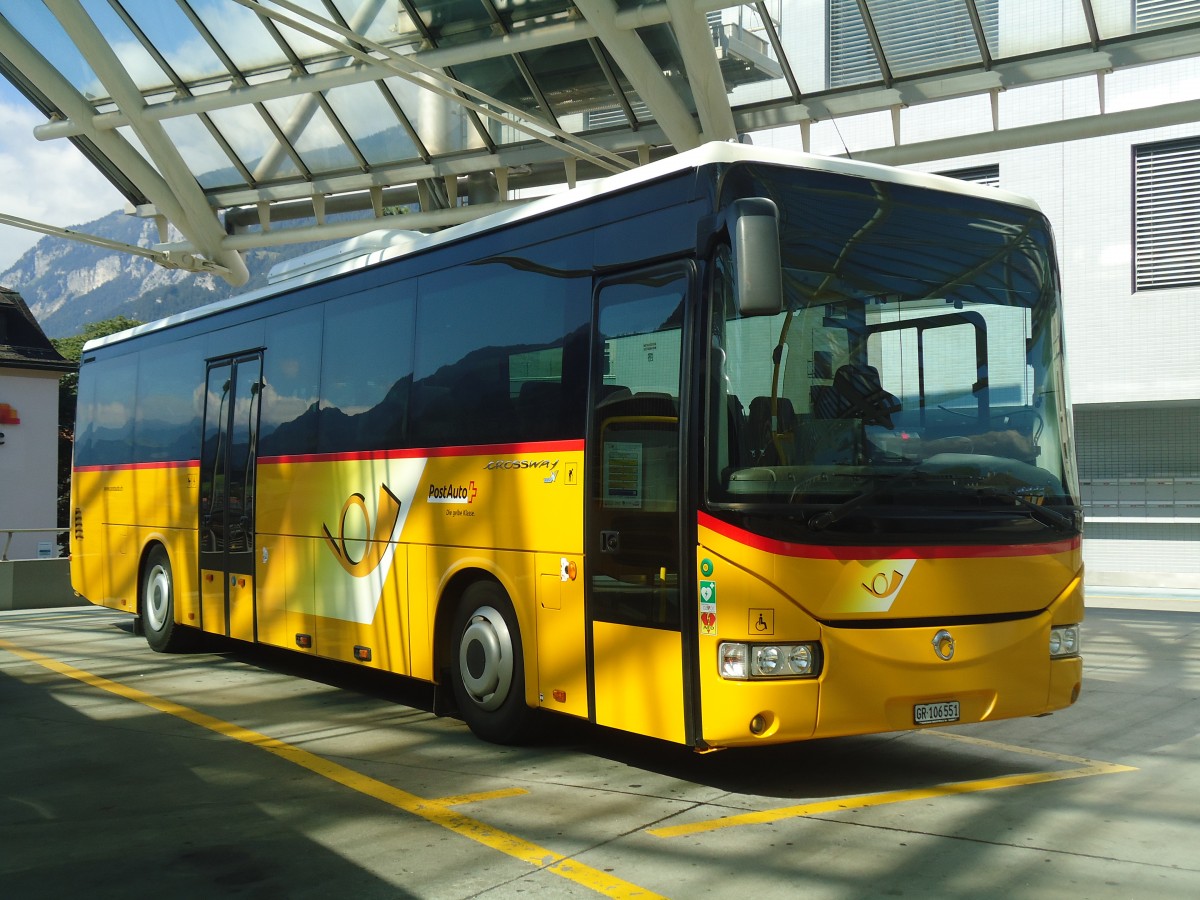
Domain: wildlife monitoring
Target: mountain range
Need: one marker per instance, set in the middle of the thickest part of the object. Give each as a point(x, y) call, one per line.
point(68, 284)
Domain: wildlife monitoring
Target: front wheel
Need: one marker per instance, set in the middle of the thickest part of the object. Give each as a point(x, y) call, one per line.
point(487, 668)
point(163, 633)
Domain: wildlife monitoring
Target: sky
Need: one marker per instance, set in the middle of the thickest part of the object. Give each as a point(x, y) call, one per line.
point(49, 182)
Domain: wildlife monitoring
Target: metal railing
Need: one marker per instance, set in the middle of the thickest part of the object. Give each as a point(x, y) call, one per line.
point(9, 532)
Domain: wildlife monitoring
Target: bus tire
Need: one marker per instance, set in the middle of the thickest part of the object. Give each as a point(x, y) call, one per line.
point(487, 666)
point(162, 632)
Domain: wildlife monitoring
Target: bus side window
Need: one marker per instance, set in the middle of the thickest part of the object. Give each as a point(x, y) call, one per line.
point(497, 372)
point(367, 370)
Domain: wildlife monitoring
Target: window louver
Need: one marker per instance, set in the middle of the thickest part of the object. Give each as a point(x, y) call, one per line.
point(1166, 214)
point(1149, 14)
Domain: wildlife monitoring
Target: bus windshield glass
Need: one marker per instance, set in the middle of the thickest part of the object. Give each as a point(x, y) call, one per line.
point(912, 383)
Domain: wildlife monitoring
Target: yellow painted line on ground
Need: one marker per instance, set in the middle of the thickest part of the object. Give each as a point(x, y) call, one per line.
point(1083, 769)
point(767, 816)
point(434, 811)
point(461, 799)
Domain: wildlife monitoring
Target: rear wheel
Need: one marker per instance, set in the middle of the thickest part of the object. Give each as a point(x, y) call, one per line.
point(158, 604)
point(487, 667)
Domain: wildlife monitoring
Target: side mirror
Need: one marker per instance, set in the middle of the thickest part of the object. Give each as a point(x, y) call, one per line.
point(758, 273)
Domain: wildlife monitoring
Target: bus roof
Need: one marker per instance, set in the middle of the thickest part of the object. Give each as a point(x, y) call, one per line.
point(385, 244)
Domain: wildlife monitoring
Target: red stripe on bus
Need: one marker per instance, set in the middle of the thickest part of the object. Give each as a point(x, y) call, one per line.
point(165, 464)
point(430, 452)
point(816, 551)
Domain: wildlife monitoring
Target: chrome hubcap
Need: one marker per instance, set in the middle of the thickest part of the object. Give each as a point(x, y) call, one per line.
point(485, 658)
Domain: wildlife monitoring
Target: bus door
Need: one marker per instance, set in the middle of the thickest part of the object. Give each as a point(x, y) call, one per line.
point(227, 483)
point(636, 655)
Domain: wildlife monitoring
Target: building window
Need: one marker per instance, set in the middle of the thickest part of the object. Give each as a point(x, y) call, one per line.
point(1166, 214)
point(985, 175)
point(615, 115)
point(915, 36)
point(1149, 14)
point(1139, 461)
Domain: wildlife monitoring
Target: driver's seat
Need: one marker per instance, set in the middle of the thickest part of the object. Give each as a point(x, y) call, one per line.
point(858, 394)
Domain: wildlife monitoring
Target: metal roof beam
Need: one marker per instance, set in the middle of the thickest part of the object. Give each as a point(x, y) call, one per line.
point(389, 61)
point(197, 218)
point(508, 157)
point(703, 71)
point(1080, 128)
point(881, 59)
point(417, 221)
point(175, 258)
point(1005, 74)
point(310, 102)
point(205, 234)
point(357, 72)
point(964, 81)
point(644, 73)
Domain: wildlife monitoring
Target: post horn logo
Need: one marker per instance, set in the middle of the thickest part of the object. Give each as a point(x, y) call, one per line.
point(385, 523)
point(883, 585)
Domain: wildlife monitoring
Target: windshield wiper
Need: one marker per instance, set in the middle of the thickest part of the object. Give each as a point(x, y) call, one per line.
point(823, 520)
point(1051, 518)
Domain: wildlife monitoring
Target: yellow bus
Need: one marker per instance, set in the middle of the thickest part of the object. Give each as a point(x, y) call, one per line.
point(741, 447)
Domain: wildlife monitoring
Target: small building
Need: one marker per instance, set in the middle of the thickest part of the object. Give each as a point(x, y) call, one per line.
point(30, 369)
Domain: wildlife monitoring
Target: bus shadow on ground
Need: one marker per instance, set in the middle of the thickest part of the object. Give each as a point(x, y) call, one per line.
point(816, 769)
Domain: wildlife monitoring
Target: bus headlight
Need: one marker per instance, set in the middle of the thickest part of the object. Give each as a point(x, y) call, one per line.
point(741, 662)
point(1064, 641)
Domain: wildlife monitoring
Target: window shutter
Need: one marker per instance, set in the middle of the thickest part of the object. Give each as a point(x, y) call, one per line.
point(1149, 14)
point(1166, 214)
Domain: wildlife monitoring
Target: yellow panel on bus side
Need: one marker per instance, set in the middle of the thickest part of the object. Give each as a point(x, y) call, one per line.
point(163, 502)
point(181, 548)
point(273, 578)
point(105, 557)
point(91, 540)
point(183, 545)
point(639, 680)
point(372, 632)
point(561, 653)
point(241, 607)
point(284, 592)
point(420, 613)
point(301, 600)
point(120, 566)
point(212, 600)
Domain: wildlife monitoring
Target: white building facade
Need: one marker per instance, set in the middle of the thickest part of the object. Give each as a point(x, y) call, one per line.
point(30, 369)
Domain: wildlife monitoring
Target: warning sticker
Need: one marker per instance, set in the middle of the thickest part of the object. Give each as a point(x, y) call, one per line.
point(708, 607)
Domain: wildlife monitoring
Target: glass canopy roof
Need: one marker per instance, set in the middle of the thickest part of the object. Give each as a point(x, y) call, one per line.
point(253, 122)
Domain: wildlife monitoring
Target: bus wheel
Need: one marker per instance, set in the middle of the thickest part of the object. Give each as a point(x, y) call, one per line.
point(158, 603)
point(487, 669)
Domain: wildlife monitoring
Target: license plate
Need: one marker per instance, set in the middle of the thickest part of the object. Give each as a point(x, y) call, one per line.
point(933, 713)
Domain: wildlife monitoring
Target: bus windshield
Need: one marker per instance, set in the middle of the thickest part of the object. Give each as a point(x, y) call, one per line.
point(913, 381)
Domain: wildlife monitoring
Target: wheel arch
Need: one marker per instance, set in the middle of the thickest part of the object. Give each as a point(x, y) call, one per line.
point(453, 586)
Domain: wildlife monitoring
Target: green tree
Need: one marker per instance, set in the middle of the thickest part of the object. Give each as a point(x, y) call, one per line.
point(68, 390)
